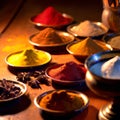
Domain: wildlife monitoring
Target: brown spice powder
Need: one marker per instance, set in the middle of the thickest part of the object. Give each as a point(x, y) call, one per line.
point(49, 36)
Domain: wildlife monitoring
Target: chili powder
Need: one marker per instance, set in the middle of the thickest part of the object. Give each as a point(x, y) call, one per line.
point(50, 16)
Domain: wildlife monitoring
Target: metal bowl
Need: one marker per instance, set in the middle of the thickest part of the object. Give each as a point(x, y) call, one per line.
point(99, 24)
point(80, 82)
point(105, 87)
point(81, 55)
point(113, 39)
point(84, 98)
point(58, 26)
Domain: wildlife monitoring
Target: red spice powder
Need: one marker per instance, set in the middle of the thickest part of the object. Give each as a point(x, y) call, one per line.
point(70, 71)
point(50, 16)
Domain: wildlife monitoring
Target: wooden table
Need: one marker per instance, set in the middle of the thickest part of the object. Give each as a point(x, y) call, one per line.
point(15, 31)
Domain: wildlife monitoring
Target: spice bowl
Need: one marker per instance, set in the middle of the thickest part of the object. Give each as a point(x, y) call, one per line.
point(28, 58)
point(11, 90)
point(59, 74)
point(113, 39)
point(50, 17)
point(81, 49)
point(58, 26)
point(88, 29)
point(107, 87)
point(58, 96)
point(51, 40)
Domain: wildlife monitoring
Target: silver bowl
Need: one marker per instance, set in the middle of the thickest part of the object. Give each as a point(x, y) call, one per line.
point(105, 87)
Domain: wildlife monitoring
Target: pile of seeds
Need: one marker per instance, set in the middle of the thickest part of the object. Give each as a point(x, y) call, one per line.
point(8, 90)
point(34, 78)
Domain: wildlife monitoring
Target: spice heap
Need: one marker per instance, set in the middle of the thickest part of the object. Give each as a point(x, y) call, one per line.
point(111, 69)
point(50, 36)
point(62, 101)
point(88, 47)
point(28, 57)
point(8, 90)
point(50, 16)
point(69, 71)
point(87, 28)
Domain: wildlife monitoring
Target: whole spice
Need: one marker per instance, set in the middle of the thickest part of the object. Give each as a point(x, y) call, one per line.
point(50, 16)
point(8, 90)
point(33, 79)
point(88, 47)
point(49, 36)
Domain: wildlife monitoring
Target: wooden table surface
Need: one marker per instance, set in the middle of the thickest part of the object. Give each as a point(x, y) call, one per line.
point(16, 28)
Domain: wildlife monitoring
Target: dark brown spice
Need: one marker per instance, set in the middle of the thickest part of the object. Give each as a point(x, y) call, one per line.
point(33, 79)
point(8, 90)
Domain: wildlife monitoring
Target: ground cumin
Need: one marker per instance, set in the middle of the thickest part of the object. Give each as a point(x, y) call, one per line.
point(62, 101)
point(88, 47)
point(49, 36)
point(50, 16)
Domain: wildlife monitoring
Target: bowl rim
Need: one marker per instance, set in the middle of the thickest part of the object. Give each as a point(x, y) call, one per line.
point(105, 29)
point(98, 58)
point(82, 95)
point(64, 82)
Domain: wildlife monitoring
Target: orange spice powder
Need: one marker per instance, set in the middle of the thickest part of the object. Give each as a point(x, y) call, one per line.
point(88, 46)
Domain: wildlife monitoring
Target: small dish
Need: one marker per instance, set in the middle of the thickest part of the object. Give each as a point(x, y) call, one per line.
point(99, 24)
point(65, 82)
point(53, 26)
point(47, 58)
point(66, 37)
point(18, 84)
point(113, 39)
point(81, 55)
point(82, 96)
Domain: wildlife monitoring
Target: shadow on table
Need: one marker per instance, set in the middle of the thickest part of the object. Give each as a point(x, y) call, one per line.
point(15, 106)
point(47, 116)
point(81, 87)
point(91, 113)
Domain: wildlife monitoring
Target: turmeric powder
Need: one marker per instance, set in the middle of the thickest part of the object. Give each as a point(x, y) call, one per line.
point(49, 36)
point(28, 57)
point(88, 47)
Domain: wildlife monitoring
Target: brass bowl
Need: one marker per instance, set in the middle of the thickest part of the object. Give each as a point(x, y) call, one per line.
point(105, 87)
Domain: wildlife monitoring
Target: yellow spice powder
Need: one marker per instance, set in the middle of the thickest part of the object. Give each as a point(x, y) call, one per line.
point(88, 47)
point(28, 57)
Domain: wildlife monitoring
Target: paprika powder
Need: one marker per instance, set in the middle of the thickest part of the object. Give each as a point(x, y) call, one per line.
point(50, 16)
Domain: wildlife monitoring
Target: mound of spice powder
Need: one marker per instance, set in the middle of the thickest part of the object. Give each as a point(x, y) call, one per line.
point(88, 47)
point(49, 36)
point(87, 28)
point(69, 71)
point(62, 101)
point(28, 57)
point(50, 16)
